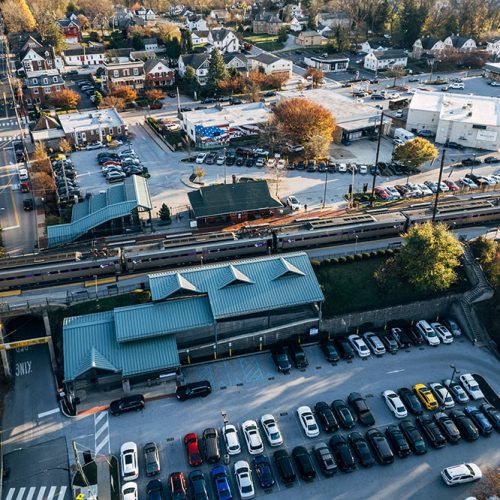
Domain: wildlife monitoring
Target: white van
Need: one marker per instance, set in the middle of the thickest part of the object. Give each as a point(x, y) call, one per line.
point(456, 85)
point(403, 135)
point(428, 332)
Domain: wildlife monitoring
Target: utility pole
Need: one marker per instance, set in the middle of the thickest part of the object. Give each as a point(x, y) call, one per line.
point(438, 187)
point(324, 192)
point(376, 157)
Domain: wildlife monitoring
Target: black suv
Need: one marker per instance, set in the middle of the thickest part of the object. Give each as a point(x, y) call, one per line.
point(284, 465)
point(326, 417)
point(431, 431)
point(304, 463)
point(410, 400)
point(329, 350)
point(281, 359)
point(343, 414)
point(448, 427)
point(342, 453)
point(194, 390)
point(134, 402)
point(465, 425)
point(298, 355)
point(360, 407)
point(414, 437)
point(345, 348)
point(380, 446)
point(390, 343)
point(398, 441)
point(361, 449)
point(325, 459)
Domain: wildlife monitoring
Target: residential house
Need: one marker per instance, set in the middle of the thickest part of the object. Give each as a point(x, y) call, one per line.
point(272, 65)
point(147, 15)
point(292, 10)
point(47, 130)
point(158, 74)
point(129, 73)
point(71, 28)
point(196, 23)
point(310, 38)
point(150, 44)
point(84, 56)
point(220, 16)
point(267, 23)
point(387, 59)
point(223, 39)
point(493, 47)
point(461, 43)
point(427, 46)
point(37, 58)
point(199, 62)
point(199, 37)
point(334, 19)
point(295, 25)
point(236, 60)
point(123, 18)
point(176, 10)
point(40, 85)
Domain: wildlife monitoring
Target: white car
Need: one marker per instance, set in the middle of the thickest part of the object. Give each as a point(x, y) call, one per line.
point(375, 344)
point(395, 404)
point(494, 83)
point(293, 203)
point(129, 491)
point(252, 437)
point(426, 191)
point(244, 480)
point(457, 390)
point(359, 346)
point(271, 430)
point(342, 168)
point(259, 163)
point(201, 157)
point(363, 169)
point(308, 422)
point(271, 163)
point(128, 458)
point(428, 332)
point(456, 85)
point(414, 189)
point(445, 336)
point(231, 439)
point(466, 182)
point(281, 164)
point(443, 187)
point(462, 473)
point(23, 174)
point(221, 159)
point(443, 395)
point(393, 192)
point(471, 386)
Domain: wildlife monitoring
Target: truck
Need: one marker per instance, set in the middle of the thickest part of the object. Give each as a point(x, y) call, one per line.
point(402, 135)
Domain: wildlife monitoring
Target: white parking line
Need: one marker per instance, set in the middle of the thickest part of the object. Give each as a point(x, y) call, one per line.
point(395, 371)
point(49, 412)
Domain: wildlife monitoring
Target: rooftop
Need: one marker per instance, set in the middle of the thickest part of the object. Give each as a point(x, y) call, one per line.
point(90, 120)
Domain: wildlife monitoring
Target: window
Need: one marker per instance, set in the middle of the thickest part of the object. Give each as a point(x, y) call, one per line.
point(47, 90)
point(54, 79)
point(45, 81)
point(119, 130)
point(58, 88)
point(35, 91)
point(126, 72)
point(115, 73)
point(136, 71)
point(35, 81)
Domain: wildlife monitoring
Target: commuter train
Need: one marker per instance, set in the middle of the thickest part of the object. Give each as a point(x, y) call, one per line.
point(188, 249)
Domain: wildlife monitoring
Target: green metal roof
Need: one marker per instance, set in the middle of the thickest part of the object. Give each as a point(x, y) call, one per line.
point(247, 286)
point(160, 318)
point(221, 199)
point(90, 342)
point(117, 201)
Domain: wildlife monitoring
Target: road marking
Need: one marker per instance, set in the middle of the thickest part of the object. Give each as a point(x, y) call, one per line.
point(41, 493)
point(101, 434)
point(23, 368)
point(49, 412)
point(10, 494)
point(52, 495)
point(31, 492)
point(62, 492)
point(21, 493)
point(52, 492)
point(14, 208)
point(395, 371)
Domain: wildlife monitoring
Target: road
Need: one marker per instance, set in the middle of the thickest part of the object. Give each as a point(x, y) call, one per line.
point(249, 387)
point(34, 445)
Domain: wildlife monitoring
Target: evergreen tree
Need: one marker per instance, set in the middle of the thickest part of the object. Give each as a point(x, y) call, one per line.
point(164, 214)
point(217, 71)
point(186, 42)
point(54, 36)
point(173, 48)
point(137, 42)
point(190, 81)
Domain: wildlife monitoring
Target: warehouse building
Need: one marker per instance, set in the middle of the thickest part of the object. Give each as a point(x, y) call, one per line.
point(201, 312)
point(470, 120)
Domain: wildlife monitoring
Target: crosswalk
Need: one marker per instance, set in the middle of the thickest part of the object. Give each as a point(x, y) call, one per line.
point(38, 493)
point(12, 123)
point(101, 426)
point(10, 138)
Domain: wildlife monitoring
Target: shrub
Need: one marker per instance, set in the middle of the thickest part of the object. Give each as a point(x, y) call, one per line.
point(357, 256)
point(349, 258)
point(315, 263)
point(342, 260)
point(365, 255)
point(373, 254)
point(381, 253)
point(389, 251)
point(334, 261)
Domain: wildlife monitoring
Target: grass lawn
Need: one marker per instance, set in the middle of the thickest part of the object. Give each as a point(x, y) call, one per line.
point(265, 42)
point(351, 287)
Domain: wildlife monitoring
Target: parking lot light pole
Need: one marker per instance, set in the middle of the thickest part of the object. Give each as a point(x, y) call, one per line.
point(453, 373)
point(225, 421)
point(376, 157)
point(324, 192)
point(438, 190)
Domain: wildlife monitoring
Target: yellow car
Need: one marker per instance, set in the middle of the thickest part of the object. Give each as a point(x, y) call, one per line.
point(425, 395)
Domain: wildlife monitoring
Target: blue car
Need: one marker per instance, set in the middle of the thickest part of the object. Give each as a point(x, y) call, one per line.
point(480, 419)
point(222, 489)
point(262, 467)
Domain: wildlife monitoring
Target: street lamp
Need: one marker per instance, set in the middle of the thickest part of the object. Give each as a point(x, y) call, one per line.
point(324, 193)
point(226, 421)
point(453, 373)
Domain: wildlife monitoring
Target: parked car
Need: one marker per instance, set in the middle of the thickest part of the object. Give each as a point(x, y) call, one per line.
point(307, 421)
point(445, 336)
point(193, 390)
point(293, 203)
point(284, 466)
point(480, 420)
point(342, 453)
point(271, 430)
point(244, 480)
point(298, 356)
point(326, 417)
point(452, 186)
point(198, 485)
point(465, 425)
point(374, 343)
point(397, 440)
point(413, 436)
point(402, 337)
point(201, 158)
point(470, 162)
point(390, 342)
point(343, 414)
point(471, 386)
point(361, 449)
point(192, 449)
point(231, 439)
point(431, 431)
point(281, 359)
point(380, 447)
point(460, 474)
point(456, 390)
point(492, 414)
point(130, 491)
point(211, 445)
point(427, 332)
point(330, 351)
point(177, 484)
point(344, 348)
point(394, 403)
point(151, 459)
point(252, 437)
point(442, 395)
point(448, 427)
point(325, 459)
point(304, 463)
point(28, 205)
point(154, 490)
point(128, 461)
point(263, 471)
point(361, 408)
point(221, 483)
point(359, 345)
point(426, 397)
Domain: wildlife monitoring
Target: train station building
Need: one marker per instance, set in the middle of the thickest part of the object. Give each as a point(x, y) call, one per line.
point(203, 312)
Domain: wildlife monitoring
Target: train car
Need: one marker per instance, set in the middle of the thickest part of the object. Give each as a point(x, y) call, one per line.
point(38, 259)
point(344, 229)
point(46, 274)
point(197, 254)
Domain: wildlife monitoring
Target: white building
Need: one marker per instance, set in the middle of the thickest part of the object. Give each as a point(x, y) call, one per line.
point(150, 44)
point(223, 39)
point(199, 62)
point(199, 37)
point(334, 64)
point(461, 43)
point(493, 47)
point(196, 23)
point(295, 25)
point(81, 56)
point(386, 59)
point(473, 121)
point(272, 65)
point(427, 45)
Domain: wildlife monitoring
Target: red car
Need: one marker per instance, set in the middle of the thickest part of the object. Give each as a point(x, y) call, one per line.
point(177, 483)
point(193, 450)
point(111, 162)
point(381, 193)
point(452, 185)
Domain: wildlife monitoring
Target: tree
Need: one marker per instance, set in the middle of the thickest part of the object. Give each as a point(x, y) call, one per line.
point(98, 12)
point(395, 73)
point(128, 94)
point(168, 31)
point(164, 214)
point(186, 42)
point(173, 48)
point(112, 101)
point(17, 16)
point(65, 99)
point(98, 98)
point(154, 95)
point(199, 171)
point(137, 41)
point(54, 36)
point(427, 261)
point(40, 152)
point(217, 71)
point(303, 122)
point(415, 153)
point(64, 146)
point(316, 76)
point(489, 486)
point(283, 35)
point(190, 81)
point(43, 184)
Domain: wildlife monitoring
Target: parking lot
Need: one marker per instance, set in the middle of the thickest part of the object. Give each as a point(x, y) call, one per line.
point(247, 388)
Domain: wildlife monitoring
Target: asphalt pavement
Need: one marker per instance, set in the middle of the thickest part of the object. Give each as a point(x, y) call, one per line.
point(247, 388)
